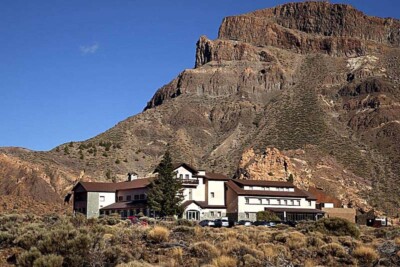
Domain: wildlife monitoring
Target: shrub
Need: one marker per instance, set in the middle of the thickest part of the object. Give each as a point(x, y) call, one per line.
point(177, 254)
point(185, 222)
point(337, 226)
point(28, 257)
point(296, 240)
point(204, 250)
point(158, 234)
point(183, 229)
point(365, 255)
point(50, 260)
point(315, 241)
point(6, 239)
point(333, 249)
point(267, 216)
point(224, 261)
point(135, 264)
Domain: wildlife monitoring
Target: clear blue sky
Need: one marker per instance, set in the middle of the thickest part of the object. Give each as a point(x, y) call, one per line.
point(70, 70)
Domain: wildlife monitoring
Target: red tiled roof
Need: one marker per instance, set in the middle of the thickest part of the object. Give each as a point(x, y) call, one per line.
point(240, 191)
point(137, 183)
point(264, 183)
point(216, 176)
point(324, 198)
point(186, 166)
point(113, 187)
point(126, 205)
point(97, 187)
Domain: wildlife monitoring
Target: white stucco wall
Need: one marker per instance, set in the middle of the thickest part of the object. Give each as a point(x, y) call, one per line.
point(184, 172)
point(109, 198)
point(269, 188)
point(218, 188)
point(255, 206)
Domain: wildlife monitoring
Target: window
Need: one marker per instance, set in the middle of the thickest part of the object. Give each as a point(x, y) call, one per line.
point(247, 200)
point(260, 200)
point(219, 214)
point(186, 176)
point(181, 176)
point(142, 196)
point(120, 198)
point(128, 198)
point(136, 197)
point(250, 188)
point(212, 194)
point(212, 213)
point(247, 215)
point(309, 203)
point(267, 201)
point(102, 198)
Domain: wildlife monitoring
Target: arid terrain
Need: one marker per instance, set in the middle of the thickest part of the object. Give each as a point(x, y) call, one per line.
point(314, 84)
point(54, 240)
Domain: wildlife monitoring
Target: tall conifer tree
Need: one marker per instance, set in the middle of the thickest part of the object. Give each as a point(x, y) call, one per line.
point(165, 192)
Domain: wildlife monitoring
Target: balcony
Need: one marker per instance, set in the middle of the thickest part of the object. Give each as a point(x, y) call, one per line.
point(190, 181)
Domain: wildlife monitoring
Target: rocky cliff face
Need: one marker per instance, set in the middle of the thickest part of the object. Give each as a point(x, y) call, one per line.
point(316, 83)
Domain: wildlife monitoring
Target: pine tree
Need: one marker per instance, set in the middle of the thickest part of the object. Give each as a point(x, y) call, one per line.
point(165, 192)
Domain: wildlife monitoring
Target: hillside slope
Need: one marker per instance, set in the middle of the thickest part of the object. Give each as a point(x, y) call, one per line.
point(318, 81)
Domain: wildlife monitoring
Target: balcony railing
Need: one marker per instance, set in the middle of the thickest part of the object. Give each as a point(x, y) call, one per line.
point(190, 181)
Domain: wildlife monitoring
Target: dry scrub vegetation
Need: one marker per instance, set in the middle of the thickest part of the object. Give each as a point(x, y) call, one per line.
point(53, 240)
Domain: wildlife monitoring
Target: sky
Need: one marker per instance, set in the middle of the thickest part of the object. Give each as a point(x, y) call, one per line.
point(70, 70)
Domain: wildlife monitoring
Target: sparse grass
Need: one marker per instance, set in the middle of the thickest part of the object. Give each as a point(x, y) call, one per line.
point(365, 255)
point(224, 261)
point(204, 250)
point(110, 241)
point(158, 234)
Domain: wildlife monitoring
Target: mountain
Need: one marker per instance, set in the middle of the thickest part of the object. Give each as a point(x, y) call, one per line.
point(313, 83)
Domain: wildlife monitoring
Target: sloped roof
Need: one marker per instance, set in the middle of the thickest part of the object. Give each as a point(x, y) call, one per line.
point(322, 197)
point(137, 183)
point(202, 204)
point(264, 183)
point(233, 184)
point(186, 166)
point(97, 187)
point(113, 187)
point(216, 176)
point(126, 205)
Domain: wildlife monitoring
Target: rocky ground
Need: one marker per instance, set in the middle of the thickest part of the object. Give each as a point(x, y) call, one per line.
point(54, 240)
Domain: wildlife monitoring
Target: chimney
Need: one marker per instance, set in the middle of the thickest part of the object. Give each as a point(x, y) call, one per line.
point(132, 176)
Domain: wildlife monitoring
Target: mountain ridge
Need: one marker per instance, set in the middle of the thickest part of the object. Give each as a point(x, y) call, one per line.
point(318, 82)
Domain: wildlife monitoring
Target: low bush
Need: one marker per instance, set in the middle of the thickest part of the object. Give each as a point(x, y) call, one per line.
point(186, 222)
point(224, 261)
point(27, 258)
point(337, 227)
point(267, 216)
point(50, 260)
point(365, 255)
point(135, 264)
point(204, 250)
point(333, 249)
point(158, 234)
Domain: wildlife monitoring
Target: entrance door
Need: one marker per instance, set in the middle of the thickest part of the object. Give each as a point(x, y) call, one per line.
point(193, 215)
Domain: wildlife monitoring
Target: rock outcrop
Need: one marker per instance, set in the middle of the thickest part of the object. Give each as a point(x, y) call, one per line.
point(318, 84)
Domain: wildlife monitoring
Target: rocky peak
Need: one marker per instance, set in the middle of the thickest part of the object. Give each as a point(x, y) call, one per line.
point(334, 29)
